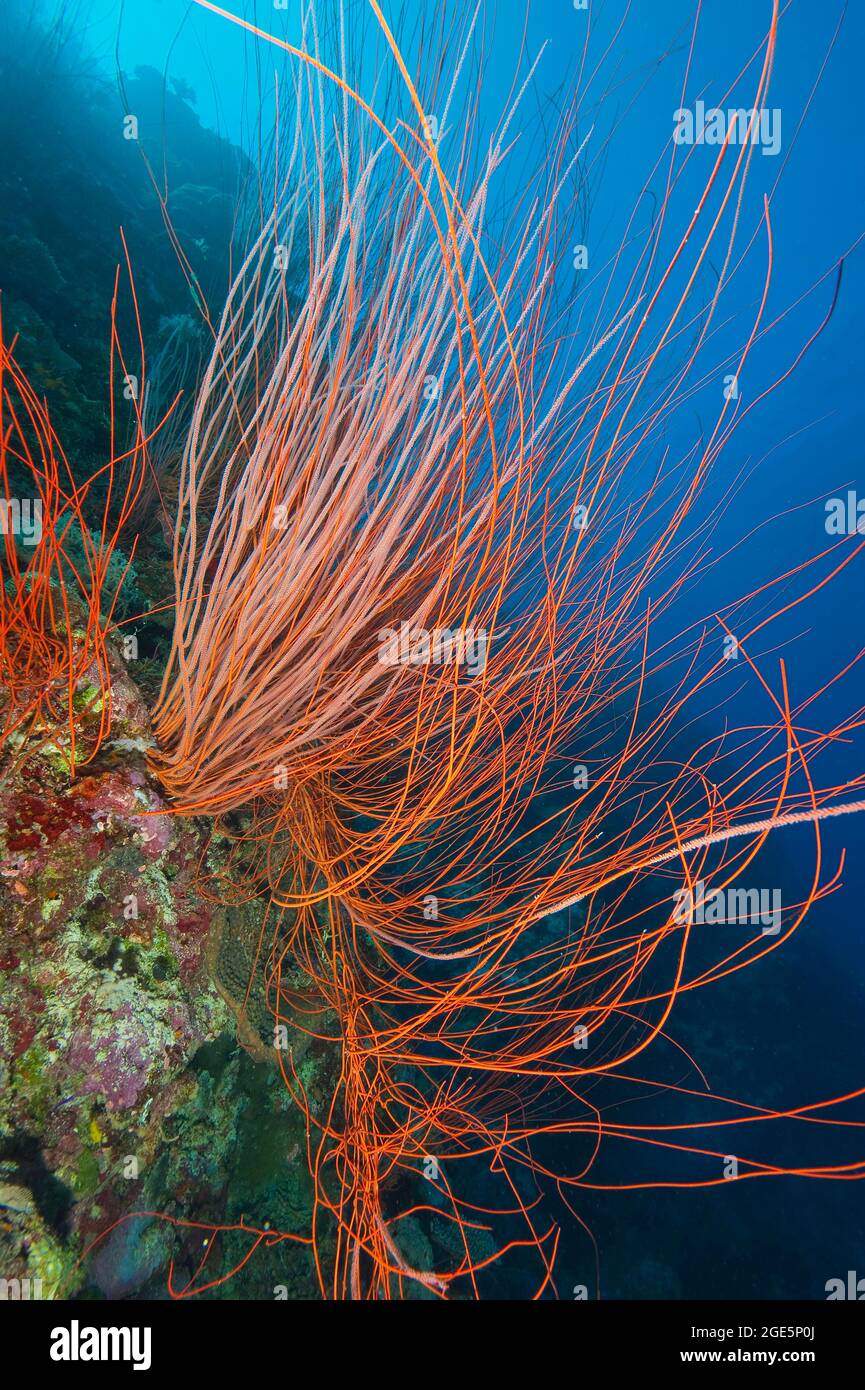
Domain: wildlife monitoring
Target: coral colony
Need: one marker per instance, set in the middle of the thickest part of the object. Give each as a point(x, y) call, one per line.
point(349, 874)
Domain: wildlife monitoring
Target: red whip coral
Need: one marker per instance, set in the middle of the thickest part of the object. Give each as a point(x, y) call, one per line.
point(55, 604)
point(414, 450)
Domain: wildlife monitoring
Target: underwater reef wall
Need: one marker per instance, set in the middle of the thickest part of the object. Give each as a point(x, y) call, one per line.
point(103, 994)
point(122, 1086)
point(59, 229)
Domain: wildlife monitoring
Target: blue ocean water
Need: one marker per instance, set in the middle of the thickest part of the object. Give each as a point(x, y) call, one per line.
point(790, 1030)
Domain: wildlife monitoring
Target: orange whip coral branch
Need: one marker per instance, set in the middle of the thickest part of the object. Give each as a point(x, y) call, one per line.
point(55, 606)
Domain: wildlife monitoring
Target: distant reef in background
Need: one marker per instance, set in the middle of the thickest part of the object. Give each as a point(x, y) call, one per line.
point(71, 177)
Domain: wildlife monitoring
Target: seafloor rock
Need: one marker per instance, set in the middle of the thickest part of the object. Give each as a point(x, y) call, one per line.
point(104, 993)
point(137, 1067)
